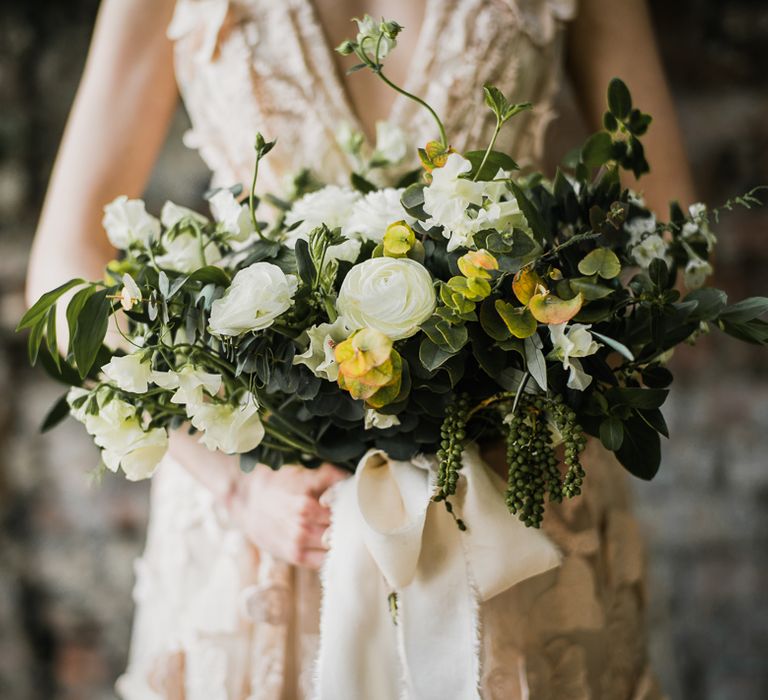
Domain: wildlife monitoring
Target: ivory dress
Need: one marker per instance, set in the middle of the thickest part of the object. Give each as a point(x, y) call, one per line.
point(214, 620)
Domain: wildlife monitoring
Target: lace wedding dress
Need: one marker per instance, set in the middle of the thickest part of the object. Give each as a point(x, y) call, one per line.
point(217, 621)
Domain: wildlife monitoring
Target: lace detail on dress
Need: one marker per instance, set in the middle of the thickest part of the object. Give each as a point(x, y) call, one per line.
point(217, 620)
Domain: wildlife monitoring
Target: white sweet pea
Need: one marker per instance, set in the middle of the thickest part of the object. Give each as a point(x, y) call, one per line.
point(189, 383)
point(699, 225)
point(392, 295)
point(229, 429)
point(696, 273)
point(391, 143)
point(319, 355)
point(448, 198)
point(374, 419)
point(130, 294)
point(233, 216)
point(331, 206)
point(570, 343)
point(183, 254)
point(258, 294)
point(126, 221)
point(640, 226)
point(172, 214)
point(648, 249)
point(129, 373)
point(368, 30)
point(371, 215)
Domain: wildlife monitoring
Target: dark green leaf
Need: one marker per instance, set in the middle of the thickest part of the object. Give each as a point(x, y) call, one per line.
point(90, 330)
point(431, 355)
point(616, 345)
point(58, 412)
point(655, 419)
point(657, 377)
point(496, 161)
point(635, 397)
point(74, 308)
point(304, 264)
point(44, 303)
point(50, 335)
point(640, 451)
point(598, 149)
point(745, 310)
point(619, 99)
point(589, 289)
point(612, 433)
point(35, 339)
point(361, 184)
point(210, 275)
point(710, 302)
point(531, 213)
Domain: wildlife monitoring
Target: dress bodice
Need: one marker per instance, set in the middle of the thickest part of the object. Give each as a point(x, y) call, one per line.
point(258, 65)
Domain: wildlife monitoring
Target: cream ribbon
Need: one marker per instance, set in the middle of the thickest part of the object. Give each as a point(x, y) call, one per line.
point(387, 535)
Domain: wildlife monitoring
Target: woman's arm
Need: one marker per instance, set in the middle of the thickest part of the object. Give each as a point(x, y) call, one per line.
point(117, 125)
point(615, 39)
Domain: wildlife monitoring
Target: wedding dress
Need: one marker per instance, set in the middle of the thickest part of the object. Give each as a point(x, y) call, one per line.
point(217, 621)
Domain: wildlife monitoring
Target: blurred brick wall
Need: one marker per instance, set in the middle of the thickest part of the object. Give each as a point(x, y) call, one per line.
point(66, 548)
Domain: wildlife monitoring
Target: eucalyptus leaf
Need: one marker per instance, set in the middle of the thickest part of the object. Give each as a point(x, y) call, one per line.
point(535, 362)
point(601, 261)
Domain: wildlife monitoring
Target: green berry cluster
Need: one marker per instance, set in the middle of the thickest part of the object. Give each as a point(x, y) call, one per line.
point(533, 467)
point(453, 432)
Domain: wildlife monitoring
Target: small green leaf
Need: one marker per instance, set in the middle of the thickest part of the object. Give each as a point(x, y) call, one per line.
point(598, 150)
point(44, 303)
point(518, 319)
point(50, 336)
point(361, 184)
point(616, 345)
point(35, 339)
point(612, 433)
point(431, 355)
point(496, 161)
point(304, 264)
point(210, 274)
point(601, 261)
point(619, 99)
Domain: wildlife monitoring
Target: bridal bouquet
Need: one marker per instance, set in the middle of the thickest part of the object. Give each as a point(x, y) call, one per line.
point(467, 300)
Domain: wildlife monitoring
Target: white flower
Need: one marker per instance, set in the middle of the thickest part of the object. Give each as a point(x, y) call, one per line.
point(696, 273)
point(576, 342)
point(391, 143)
point(189, 383)
point(129, 373)
point(374, 419)
point(73, 395)
point(172, 214)
point(371, 215)
point(650, 247)
point(258, 294)
point(229, 429)
point(699, 225)
point(126, 221)
point(183, 254)
point(319, 355)
point(130, 294)
point(368, 30)
point(233, 216)
point(349, 139)
point(640, 226)
point(448, 198)
point(392, 295)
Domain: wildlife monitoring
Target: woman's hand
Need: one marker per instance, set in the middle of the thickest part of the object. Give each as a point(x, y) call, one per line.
point(281, 511)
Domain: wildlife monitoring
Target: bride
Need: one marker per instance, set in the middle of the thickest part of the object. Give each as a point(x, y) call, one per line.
point(227, 592)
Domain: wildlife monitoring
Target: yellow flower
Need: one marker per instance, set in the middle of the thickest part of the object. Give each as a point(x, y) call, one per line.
point(398, 239)
point(369, 368)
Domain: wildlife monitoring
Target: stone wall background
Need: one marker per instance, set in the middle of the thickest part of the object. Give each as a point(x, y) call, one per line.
point(66, 547)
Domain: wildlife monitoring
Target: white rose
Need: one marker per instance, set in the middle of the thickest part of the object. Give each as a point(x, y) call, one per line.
point(229, 429)
point(392, 295)
point(233, 216)
point(189, 383)
point(126, 221)
point(183, 254)
point(319, 355)
point(257, 296)
point(447, 200)
point(172, 214)
point(696, 273)
point(648, 249)
point(391, 143)
point(371, 215)
point(374, 419)
point(129, 373)
point(570, 342)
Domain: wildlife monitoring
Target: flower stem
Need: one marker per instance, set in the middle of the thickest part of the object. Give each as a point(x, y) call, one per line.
point(489, 149)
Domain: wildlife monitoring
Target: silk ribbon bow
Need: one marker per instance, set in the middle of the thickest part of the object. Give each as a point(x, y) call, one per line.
point(388, 536)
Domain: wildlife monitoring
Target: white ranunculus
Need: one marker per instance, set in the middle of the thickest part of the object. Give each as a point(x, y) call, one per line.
point(648, 249)
point(258, 294)
point(172, 214)
point(392, 295)
point(448, 198)
point(233, 216)
point(371, 215)
point(189, 383)
point(696, 273)
point(129, 373)
point(374, 419)
point(126, 221)
point(368, 35)
point(570, 342)
point(130, 294)
point(319, 355)
point(229, 429)
point(391, 143)
point(183, 254)
point(330, 205)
